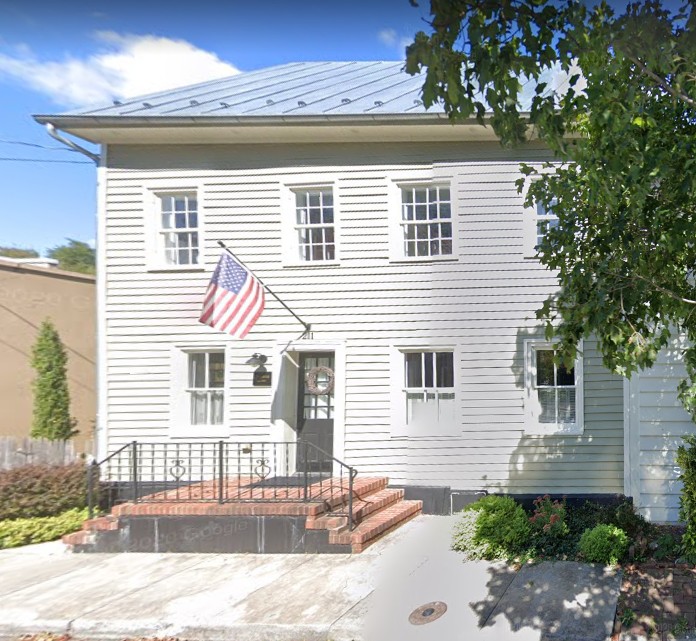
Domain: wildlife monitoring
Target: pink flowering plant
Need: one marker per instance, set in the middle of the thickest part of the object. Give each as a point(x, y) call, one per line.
point(549, 517)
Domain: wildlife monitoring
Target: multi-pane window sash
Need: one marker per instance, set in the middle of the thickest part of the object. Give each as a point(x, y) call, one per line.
point(545, 220)
point(314, 224)
point(206, 383)
point(426, 220)
point(429, 385)
point(556, 389)
point(179, 228)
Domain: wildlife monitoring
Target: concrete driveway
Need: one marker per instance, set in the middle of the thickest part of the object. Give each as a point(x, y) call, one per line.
point(394, 590)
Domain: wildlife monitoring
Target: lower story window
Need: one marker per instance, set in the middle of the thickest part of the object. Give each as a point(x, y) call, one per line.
point(206, 387)
point(553, 392)
point(429, 388)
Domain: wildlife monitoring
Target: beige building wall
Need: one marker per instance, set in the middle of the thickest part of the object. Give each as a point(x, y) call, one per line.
point(28, 295)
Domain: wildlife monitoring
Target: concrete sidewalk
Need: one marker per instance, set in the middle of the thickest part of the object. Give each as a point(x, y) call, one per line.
point(365, 597)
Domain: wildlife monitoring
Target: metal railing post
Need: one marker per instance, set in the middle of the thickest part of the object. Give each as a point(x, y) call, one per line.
point(350, 499)
point(134, 470)
point(90, 487)
point(221, 471)
point(304, 462)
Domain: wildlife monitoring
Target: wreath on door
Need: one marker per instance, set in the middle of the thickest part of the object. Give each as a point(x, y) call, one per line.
point(311, 380)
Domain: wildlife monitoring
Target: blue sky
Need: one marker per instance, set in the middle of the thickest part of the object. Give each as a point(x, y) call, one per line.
point(55, 56)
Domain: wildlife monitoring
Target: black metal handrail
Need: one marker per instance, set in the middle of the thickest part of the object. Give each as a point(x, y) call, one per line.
point(220, 471)
point(351, 473)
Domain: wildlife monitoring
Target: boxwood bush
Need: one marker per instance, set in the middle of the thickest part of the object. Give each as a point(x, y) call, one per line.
point(39, 530)
point(494, 527)
point(603, 544)
point(41, 490)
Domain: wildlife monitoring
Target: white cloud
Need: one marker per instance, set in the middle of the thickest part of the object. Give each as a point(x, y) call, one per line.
point(390, 38)
point(126, 66)
point(387, 37)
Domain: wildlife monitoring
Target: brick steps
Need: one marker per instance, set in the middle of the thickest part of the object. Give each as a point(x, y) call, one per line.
point(377, 510)
point(377, 524)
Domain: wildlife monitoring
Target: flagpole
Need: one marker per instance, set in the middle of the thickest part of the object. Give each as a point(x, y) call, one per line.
point(307, 326)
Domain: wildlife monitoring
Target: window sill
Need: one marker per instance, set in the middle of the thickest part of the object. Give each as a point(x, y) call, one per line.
point(312, 264)
point(552, 429)
point(200, 431)
point(165, 269)
point(425, 259)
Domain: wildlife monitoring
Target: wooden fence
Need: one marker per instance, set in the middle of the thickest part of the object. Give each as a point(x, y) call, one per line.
point(15, 452)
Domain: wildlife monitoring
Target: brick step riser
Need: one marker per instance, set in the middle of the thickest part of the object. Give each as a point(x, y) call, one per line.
point(379, 523)
point(330, 521)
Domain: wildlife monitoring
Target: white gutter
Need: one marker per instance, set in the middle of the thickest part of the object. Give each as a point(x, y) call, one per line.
point(53, 132)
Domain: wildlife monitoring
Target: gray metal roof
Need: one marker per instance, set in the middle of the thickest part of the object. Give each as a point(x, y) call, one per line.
point(303, 89)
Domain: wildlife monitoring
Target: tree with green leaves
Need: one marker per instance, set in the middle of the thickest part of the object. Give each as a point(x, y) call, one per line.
point(18, 252)
point(52, 418)
point(613, 96)
point(76, 256)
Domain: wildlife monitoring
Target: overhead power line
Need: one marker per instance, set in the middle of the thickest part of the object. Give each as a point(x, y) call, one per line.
point(71, 162)
point(33, 144)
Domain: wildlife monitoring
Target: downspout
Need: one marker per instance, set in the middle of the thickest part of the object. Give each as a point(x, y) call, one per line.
point(99, 445)
point(52, 131)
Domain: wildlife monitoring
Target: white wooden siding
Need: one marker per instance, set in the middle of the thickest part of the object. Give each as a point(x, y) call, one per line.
point(483, 301)
point(658, 423)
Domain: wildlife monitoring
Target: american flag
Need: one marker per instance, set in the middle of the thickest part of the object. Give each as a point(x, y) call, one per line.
point(234, 299)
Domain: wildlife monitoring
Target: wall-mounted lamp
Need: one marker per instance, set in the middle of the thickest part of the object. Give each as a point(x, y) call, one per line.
point(257, 360)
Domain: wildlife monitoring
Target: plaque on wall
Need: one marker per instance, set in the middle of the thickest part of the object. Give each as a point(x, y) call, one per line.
point(262, 379)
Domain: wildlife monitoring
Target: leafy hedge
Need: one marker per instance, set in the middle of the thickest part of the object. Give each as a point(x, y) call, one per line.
point(494, 527)
point(38, 530)
point(41, 490)
point(686, 460)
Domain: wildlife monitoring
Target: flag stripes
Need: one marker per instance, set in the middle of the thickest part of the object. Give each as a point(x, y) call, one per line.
point(234, 299)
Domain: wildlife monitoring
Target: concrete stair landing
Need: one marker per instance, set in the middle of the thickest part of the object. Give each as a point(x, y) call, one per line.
point(318, 525)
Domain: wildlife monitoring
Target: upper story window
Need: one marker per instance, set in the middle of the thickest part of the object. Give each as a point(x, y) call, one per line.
point(545, 220)
point(314, 224)
point(206, 387)
point(426, 220)
point(554, 394)
point(429, 387)
point(178, 235)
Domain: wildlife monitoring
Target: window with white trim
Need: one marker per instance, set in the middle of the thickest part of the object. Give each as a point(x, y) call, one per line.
point(178, 228)
point(206, 387)
point(426, 220)
point(545, 220)
point(429, 387)
point(314, 224)
point(554, 392)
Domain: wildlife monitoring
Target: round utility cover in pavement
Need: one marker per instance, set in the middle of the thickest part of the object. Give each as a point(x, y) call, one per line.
point(427, 613)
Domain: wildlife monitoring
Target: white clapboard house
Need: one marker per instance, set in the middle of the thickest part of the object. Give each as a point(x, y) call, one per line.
point(402, 241)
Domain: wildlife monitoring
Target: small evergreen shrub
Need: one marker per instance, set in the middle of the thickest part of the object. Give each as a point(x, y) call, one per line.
point(686, 460)
point(549, 517)
point(603, 544)
point(494, 527)
point(39, 530)
point(41, 490)
point(51, 418)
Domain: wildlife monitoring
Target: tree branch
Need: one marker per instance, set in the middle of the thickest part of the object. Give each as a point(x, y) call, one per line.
point(661, 82)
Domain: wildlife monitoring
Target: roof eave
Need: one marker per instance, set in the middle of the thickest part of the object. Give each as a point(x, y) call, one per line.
point(62, 121)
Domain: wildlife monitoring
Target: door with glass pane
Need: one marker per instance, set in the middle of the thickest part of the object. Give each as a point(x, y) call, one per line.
point(315, 414)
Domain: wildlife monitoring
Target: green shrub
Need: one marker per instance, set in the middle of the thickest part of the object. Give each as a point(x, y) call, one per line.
point(686, 460)
point(624, 516)
point(603, 544)
point(494, 527)
point(549, 517)
point(38, 530)
point(41, 490)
